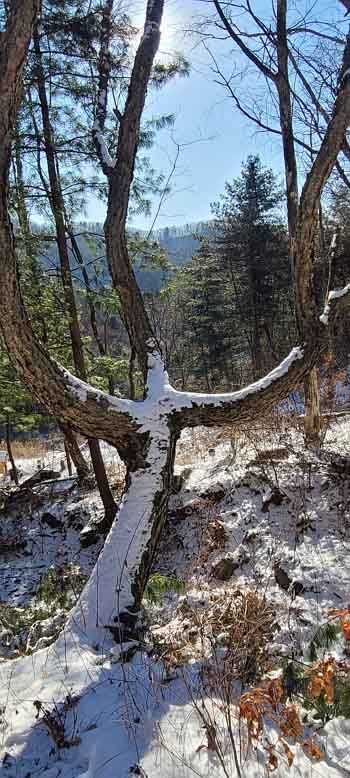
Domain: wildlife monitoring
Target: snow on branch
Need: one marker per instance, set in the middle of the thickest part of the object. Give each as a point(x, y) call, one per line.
point(181, 400)
point(110, 597)
point(332, 305)
point(162, 402)
point(108, 163)
point(106, 159)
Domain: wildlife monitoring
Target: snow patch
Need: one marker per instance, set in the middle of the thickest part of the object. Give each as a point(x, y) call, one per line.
point(106, 157)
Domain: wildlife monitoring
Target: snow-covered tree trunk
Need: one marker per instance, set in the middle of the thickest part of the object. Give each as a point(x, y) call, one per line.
point(112, 597)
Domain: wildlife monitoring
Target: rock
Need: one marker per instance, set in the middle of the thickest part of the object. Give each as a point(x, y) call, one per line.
point(181, 513)
point(281, 577)
point(251, 536)
point(285, 582)
point(183, 606)
point(91, 533)
point(224, 569)
point(271, 455)
point(9, 644)
point(51, 520)
point(215, 493)
point(273, 497)
point(297, 588)
point(76, 517)
point(226, 566)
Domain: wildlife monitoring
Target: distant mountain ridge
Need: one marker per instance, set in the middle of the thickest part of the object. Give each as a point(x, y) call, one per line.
point(179, 243)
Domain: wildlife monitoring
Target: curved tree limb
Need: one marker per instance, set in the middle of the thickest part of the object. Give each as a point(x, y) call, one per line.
point(332, 143)
point(120, 179)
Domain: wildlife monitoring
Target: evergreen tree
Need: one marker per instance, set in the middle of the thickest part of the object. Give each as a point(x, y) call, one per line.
point(252, 246)
point(236, 294)
point(207, 317)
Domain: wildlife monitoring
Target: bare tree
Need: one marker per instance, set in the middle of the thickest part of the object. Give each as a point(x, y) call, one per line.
point(268, 47)
point(145, 432)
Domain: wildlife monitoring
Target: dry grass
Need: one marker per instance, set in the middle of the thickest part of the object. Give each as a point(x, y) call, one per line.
point(116, 475)
point(35, 448)
point(194, 444)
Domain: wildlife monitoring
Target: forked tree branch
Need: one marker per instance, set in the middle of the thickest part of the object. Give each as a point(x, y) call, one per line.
point(124, 423)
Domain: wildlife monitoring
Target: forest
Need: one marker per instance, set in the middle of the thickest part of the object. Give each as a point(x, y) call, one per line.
point(174, 388)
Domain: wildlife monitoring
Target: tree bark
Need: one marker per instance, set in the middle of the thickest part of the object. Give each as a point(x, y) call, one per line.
point(71, 444)
point(10, 453)
point(68, 459)
point(312, 408)
point(287, 129)
point(311, 383)
point(120, 171)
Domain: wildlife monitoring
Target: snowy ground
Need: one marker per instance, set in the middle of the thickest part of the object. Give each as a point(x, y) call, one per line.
point(271, 515)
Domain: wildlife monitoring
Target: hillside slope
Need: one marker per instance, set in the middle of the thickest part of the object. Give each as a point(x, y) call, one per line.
point(254, 558)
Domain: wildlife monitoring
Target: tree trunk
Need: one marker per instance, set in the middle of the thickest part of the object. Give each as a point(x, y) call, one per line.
point(73, 450)
point(312, 408)
point(113, 594)
point(120, 175)
point(311, 383)
point(10, 453)
point(101, 345)
point(102, 482)
point(58, 211)
point(68, 459)
point(132, 360)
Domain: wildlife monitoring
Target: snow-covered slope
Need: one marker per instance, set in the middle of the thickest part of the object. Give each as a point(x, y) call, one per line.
point(260, 515)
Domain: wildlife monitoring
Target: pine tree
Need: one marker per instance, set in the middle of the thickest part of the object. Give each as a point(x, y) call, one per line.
point(206, 316)
point(252, 245)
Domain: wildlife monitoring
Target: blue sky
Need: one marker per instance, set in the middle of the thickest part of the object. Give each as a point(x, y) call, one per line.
point(218, 137)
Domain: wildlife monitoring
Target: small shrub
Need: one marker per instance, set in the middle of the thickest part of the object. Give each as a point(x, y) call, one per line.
point(323, 686)
point(60, 586)
point(58, 590)
point(55, 721)
point(245, 623)
point(266, 704)
point(324, 639)
point(159, 585)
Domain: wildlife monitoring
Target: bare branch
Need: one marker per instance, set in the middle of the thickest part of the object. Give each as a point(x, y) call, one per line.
point(267, 72)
